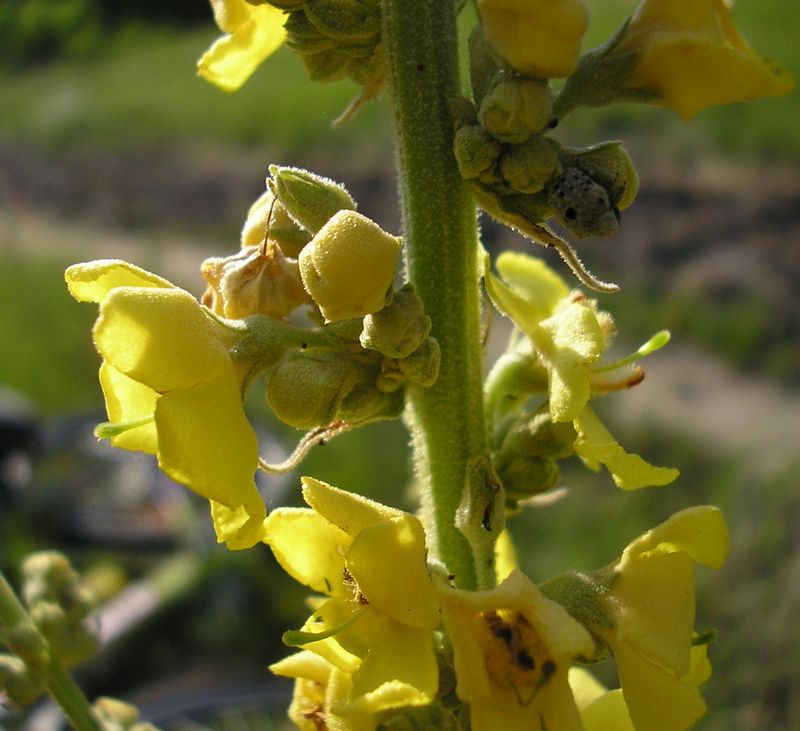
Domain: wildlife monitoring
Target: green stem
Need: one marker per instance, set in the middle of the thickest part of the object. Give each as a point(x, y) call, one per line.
point(59, 683)
point(440, 230)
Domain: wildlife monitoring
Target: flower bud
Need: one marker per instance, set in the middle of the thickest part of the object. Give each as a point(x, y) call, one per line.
point(346, 21)
point(398, 329)
point(349, 266)
point(309, 199)
point(540, 38)
point(366, 402)
point(581, 204)
point(610, 165)
point(305, 389)
point(475, 150)
point(535, 435)
point(422, 366)
point(19, 685)
point(257, 280)
point(267, 215)
point(523, 477)
point(515, 108)
point(528, 167)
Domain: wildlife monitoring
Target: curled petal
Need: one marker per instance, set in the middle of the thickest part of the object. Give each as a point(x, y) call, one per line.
point(241, 527)
point(92, 281)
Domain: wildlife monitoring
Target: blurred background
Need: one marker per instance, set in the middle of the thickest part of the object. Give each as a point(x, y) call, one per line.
point(110, 146)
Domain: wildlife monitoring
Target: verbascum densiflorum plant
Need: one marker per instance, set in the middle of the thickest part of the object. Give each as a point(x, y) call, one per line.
point(538, 392)
point(422, 620)
point(175, 369)
point(334, 38)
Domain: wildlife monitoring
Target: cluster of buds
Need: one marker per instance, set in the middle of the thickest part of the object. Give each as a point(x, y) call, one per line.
point(58, 604)
point(503, 145)
point(338, 39)
point(305, 244)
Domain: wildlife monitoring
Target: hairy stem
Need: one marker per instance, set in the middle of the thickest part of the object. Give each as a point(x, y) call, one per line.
point(440, 230)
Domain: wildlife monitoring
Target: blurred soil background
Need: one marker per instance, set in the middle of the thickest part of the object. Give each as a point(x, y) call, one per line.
point(110, 147)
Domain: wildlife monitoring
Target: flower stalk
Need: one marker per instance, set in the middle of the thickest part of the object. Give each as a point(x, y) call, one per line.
point(439, 227)
point(59, 683)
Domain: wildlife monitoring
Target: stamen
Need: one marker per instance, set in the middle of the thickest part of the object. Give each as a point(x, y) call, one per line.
point(111, 429)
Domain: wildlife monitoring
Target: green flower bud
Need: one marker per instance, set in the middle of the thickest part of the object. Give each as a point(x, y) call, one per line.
point(267, 215)
point(18, 684)
point(116, 714)
point(527, 167)
point(349, 266)
point(305, 38)
point(475, 150)
point(281, 4)
point(27, 643)
point(309, 199)
point(516, 108)
point(535, 435)
point(346, 21)
point(330, 65)
point(422, 366)
point(398, 329)
point(305, 389)
point(366, 403)
point(610, 165)
point(524, 477)
point(581, 204)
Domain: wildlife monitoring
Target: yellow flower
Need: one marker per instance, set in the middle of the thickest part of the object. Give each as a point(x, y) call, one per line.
point(253, 32)
point(377, 624)
point(171, 390)
point(540, 38)
point(651, 607)
point(512, 651)
point(319, 687)
point(566, 336)
point(692, 57)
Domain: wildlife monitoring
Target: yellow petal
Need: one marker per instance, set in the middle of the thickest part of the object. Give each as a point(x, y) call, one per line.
point(606, 713)
point(596, 446)
point(656, 608)
point(531, 277)
point(656, 699)
point(206, 443)
point(351, 512)
point(232, 59)
point(241, 527)
point(159, 337)
point(399, 660)
point(92, 281)
point(126, 401)
point(303, 664)
point(230, 14)
point(700, 531)
point(309, 548)
point(388, 562)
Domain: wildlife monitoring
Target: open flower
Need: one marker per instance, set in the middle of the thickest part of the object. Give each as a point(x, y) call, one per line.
point(652, 607)
point(253, 32)
point(642, 608)
point(171, 390)
point(512, 650)
point(377, 624)
point(566, 337)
